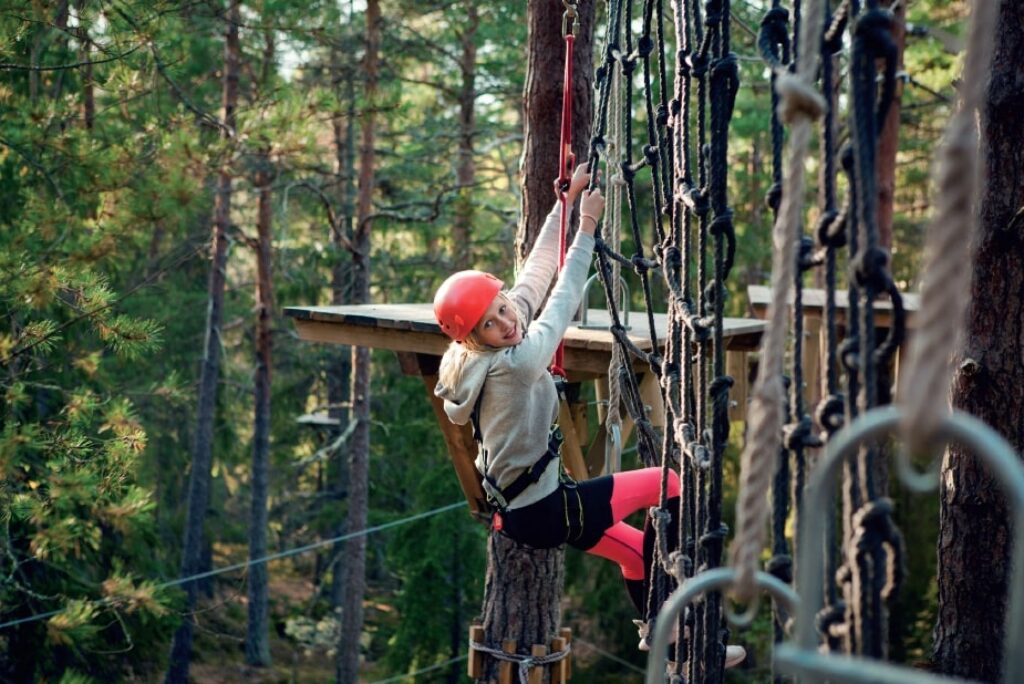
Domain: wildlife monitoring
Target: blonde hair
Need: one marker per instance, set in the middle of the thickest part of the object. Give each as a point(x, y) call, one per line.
point(454, 360)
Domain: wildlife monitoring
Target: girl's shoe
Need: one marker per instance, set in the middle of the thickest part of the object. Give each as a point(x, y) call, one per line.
point(734, 654)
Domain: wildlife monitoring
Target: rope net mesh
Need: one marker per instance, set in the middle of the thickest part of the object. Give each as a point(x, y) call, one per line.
point(684, 157)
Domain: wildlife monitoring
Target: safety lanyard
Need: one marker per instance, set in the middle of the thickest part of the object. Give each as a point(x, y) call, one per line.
point(566, 159)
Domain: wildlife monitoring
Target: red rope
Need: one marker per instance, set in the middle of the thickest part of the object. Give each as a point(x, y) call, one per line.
point(566, 162)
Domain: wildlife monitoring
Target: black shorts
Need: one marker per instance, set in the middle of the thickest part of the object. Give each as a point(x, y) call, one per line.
point(577, 513)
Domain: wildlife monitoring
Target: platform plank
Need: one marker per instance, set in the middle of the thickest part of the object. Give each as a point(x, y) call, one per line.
point(412, 328)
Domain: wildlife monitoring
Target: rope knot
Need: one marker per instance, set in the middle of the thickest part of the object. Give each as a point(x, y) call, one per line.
point(773, 198)
point(713, 12)
point(645, 46)
point(651, 155)
point(798, 100)
point(800, 434)
point(831, 229)
point(849, 353)
point(597, 145)
point(871, 269)
point(807, 258)
point(781, 566)
point(627, 171)
point(698, 64)
point(831, 413)
point(774, 34)
point(721, 224)
point(661, 118)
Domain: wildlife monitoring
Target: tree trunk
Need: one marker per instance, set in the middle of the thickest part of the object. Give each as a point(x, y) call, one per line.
point(889, 136)
point(522, 597)
point(199, 477)
point(523, 588)
point(257, 638)
point(85, 55)
point(465, 166)
point(974, 529)
point(339, 371)
point(355, 554)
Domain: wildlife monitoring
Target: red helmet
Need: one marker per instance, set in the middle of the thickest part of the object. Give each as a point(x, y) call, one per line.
point(461, 301)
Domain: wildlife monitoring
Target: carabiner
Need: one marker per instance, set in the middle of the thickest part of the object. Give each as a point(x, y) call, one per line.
point(569, 14)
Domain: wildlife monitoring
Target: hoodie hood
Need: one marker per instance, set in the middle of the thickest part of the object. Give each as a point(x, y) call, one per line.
point(460, 400)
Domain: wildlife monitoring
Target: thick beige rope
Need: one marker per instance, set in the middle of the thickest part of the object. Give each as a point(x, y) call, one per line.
point(924, 387)
point(613, 224)
point(800, 105)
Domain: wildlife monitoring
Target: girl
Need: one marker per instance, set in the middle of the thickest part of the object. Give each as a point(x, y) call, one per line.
point(495, 374)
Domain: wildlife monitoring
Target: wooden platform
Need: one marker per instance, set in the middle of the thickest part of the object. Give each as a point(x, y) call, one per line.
point(411, 331)
point(412, 328)
point(814, 304)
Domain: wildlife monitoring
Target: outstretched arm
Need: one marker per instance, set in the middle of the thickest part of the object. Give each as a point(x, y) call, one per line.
point(535, 277)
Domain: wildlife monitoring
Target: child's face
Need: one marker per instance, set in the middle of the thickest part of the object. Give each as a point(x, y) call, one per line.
point(499, 326)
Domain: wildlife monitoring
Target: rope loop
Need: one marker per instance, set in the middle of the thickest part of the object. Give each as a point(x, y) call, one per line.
point(781, 566)
point(524, 661)
point(773, 38)
point(798, 99)
point(831, 230)
point(831, 413)
point(651, 155)
point(870, 268)
point(773, 198)
point(800, 434)
point(644, 47)
point(807, 258)
point(697, 63)
point(849, 353)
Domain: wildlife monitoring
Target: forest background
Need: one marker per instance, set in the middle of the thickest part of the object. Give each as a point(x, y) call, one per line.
point(116, 150)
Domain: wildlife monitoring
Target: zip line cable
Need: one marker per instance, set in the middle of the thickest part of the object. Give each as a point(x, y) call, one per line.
point(265, 559)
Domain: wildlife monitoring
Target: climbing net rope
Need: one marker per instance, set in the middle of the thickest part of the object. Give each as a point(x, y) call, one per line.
point(686, 150)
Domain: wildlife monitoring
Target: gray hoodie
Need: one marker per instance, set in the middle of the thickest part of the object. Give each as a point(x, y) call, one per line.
point(520, 401)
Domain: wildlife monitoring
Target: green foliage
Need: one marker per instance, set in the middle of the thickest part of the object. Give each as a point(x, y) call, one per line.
point(104, 226)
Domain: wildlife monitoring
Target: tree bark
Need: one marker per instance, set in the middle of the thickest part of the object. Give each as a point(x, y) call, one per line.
point(465, 166)
point(339, 371)
point(257, 638)
point(889, 137)
point(974, 533)
point(199, 477)
point(355, 554)
point(523, 587)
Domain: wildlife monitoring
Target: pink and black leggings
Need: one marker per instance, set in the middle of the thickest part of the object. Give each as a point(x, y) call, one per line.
point(589, 516)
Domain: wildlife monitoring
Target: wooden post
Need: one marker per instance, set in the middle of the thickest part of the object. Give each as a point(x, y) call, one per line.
point(736, 366)
point(476, 658)
point(572, 452)
point(560, 670)
point(566, 635)
point(536, 675)
point(813, 368)
point(505, 671)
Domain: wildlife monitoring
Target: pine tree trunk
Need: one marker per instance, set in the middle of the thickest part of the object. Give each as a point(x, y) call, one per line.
point(199, 477)
point(523, 588)
point(257, 638)
point(974, 534)
point(465, 166)
point(339, 370)
point(355, 553)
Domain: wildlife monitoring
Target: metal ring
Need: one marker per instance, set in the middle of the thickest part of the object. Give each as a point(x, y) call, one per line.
point(992, 449)
point(709, 580)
